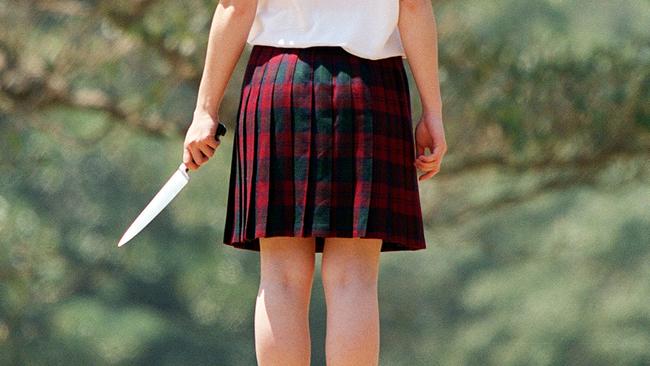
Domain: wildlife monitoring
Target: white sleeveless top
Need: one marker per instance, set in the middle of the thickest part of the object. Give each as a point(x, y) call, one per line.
point(366, 28)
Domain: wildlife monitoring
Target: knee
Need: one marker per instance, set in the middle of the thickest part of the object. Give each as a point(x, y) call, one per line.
point(349, 277)
point(350, 264)
point(287, 277)
point(287, 264)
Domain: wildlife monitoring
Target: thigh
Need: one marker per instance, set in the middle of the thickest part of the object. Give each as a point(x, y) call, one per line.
point(287, 258)
point(348, 260)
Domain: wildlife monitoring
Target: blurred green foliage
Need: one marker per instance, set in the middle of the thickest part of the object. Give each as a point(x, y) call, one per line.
point(537, 225)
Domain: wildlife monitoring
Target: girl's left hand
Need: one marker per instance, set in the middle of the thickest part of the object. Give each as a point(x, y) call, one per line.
point(429, 133)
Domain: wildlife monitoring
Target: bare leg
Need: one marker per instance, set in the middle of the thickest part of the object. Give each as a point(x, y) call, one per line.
point(350, 268)
point(282, 306)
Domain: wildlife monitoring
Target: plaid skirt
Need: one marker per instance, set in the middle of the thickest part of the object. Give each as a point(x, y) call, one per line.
point(323, 147)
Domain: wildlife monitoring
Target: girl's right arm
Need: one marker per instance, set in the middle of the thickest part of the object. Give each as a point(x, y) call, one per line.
point(229, 31)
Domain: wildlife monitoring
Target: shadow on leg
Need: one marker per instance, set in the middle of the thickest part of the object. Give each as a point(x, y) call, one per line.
point(282, 306)
point(350, 268)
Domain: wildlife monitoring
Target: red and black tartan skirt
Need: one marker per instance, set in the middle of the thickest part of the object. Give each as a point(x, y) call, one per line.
point(323, 147)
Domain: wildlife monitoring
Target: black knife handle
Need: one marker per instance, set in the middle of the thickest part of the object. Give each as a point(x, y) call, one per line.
point(221, 130)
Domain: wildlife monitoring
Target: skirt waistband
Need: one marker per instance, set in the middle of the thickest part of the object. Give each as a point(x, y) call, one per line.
point(321, 49)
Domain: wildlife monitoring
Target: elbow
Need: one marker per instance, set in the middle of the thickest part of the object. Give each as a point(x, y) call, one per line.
point(239, 7)
point(415, 5)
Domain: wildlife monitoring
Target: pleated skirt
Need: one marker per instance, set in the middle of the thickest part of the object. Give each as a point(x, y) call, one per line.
point(323, 147)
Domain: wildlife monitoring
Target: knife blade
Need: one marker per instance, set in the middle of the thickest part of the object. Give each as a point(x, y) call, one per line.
point(165, 195)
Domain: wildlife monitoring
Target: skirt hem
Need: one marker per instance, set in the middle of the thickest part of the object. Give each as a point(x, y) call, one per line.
point(389, 244)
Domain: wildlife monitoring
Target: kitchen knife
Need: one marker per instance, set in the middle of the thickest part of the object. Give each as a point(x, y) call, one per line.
point(166, 194)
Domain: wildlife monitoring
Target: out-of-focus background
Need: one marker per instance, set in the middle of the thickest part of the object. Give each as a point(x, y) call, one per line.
point(538, 225)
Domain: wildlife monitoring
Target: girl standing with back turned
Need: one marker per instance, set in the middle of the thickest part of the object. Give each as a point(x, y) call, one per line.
point(324, 157)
